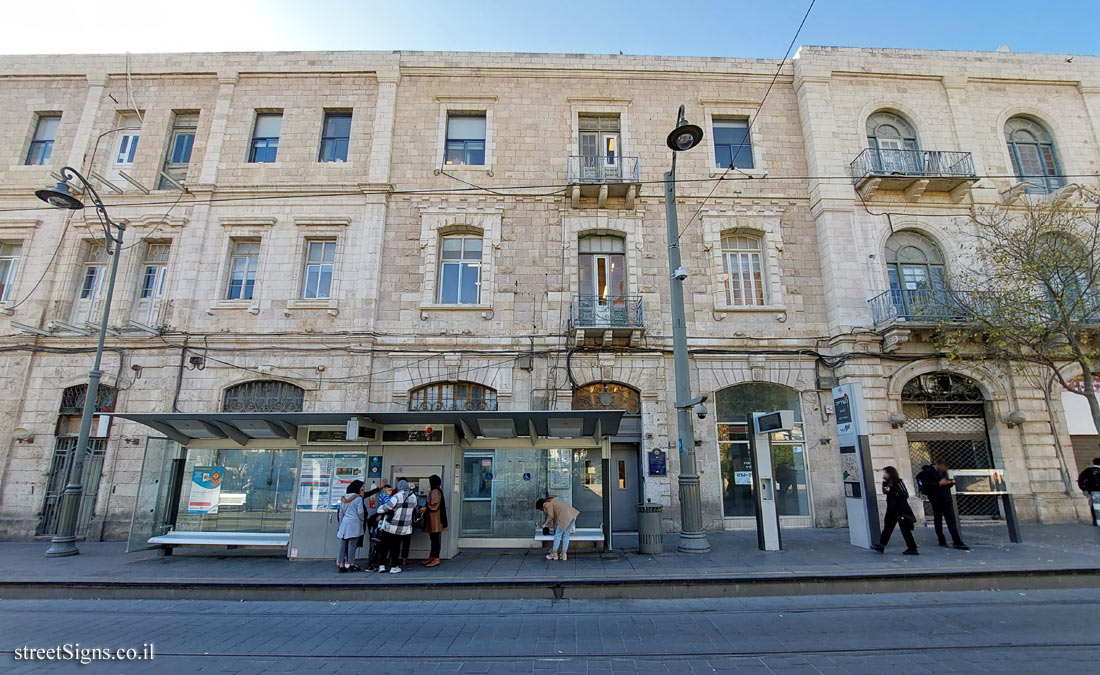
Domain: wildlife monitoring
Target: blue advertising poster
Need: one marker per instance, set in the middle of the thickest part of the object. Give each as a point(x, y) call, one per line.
point(206, 488)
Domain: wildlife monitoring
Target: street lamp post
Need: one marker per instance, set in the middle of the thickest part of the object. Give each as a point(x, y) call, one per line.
point(64, 541)
point(692, 538)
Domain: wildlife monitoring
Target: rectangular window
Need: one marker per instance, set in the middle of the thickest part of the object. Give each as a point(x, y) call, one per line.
point(732, 145)
point(42, 142)
point(156, 264)
point(243, 263)
point(599, 146)
point(744, 271)
point(180, 143)
point(334, 137)
point(89, 288)
point(128, 136)
point(320, 256)
point(265, 138)
point(9, 262)
point(460, 271)
point(465, 139)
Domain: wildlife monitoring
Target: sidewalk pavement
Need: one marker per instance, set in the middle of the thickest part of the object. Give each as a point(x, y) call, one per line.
point(809, 555)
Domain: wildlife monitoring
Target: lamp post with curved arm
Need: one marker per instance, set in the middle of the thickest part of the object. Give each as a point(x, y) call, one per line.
point(64, 540)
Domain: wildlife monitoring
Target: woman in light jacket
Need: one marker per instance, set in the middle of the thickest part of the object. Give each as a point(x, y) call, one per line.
point(564, 518)
point(435, 518)
point(353, 518)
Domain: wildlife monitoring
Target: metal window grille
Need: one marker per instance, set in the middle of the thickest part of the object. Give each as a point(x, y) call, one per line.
point(448, 396)
point(57, 478)
point(263, 396)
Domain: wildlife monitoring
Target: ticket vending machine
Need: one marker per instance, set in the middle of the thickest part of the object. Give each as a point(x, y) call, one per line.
point(860, 497)
point(767, 511)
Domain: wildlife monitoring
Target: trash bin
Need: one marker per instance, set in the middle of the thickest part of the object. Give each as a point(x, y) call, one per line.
point(650, 537)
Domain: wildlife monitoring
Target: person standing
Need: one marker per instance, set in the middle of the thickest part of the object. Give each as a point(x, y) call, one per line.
point(936, 485)
point(435, 519)
point(1089, 482)
point(898, 512)
point(352, 518)
point(564, 518)
point(396, 526)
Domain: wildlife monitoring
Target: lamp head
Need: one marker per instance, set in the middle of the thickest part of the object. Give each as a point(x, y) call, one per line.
point(59, 196)
point(685, 136)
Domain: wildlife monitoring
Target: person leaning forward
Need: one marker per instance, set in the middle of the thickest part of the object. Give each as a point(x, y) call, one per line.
point(564, 518)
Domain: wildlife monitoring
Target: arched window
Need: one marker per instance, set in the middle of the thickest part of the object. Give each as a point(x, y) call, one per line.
point(894, 141)
point(608, 396)
point(1034, 160)
point(734, 407)
point(263, 396)
point(913, 262)
point(453, 396)
point(72, 399)
point(743, 267)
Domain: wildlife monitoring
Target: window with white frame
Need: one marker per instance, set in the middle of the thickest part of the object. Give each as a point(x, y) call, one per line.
point(460, 270)
point(45, 130)
point(744, 278)
point(126, 145)
point(243, 262)
point(154, 270)
point(89, 292)
point(732, 145)
point(465, 139)
point(9, 263)
point(320, 259)
point(180, 143)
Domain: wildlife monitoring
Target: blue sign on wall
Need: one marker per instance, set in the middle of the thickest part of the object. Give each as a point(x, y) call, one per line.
point(658, 465)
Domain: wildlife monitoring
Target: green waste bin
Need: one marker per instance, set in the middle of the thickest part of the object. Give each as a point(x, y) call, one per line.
point(650, 537)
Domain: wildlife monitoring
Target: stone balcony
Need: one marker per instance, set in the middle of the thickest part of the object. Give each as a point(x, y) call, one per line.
point(593, 176)
point(607, 320)
point(913, 172)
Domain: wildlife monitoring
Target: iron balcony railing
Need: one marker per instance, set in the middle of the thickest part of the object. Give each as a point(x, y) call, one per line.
point(607, 311)
point(923, 305)
point(917, 163)
point(596, 169)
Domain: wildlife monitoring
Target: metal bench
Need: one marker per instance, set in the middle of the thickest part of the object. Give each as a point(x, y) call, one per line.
point(230, 540)
point(590, 534)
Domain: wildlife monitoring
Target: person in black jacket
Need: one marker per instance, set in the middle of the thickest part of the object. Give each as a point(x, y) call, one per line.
point(1089, 482)
point(897, 512)
point(936, 485)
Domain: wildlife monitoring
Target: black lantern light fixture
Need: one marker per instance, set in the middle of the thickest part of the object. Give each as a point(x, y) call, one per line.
point(685, 136)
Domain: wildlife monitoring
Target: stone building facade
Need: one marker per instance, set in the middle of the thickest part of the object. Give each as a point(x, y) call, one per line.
point(483, 208)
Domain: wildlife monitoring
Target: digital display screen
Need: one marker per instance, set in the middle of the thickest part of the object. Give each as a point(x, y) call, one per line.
point(770, 422)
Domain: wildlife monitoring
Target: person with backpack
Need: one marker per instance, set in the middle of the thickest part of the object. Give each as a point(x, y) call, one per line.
point(936, 484)
point(898, 512)
point(353, 519)
point(396, 526)
point(1089, 482)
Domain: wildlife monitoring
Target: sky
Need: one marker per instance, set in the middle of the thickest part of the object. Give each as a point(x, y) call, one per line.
point(737, 28)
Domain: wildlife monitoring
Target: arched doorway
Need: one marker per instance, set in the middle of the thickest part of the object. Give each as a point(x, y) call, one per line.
point(624, 470)
point(945, 419)
point(734, 406)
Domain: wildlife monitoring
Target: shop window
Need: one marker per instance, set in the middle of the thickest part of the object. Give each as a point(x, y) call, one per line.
point(263, 396)
point(453, 396)
point(735, 406)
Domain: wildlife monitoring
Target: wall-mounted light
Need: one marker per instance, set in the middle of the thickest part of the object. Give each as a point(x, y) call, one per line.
point(1015, 418)
point(897, 420)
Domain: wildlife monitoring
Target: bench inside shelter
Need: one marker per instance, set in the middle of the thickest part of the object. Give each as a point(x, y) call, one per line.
point(582, 534)
point(230, 540)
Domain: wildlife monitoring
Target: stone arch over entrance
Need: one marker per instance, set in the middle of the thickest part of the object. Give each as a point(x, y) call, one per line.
point(946, 419)
point(733, 408)
point(605, 395)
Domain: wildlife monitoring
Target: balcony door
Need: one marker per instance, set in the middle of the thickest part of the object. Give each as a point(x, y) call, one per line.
point(599, 147)
point(895, 143)
point(915, 268)
point(602, 267)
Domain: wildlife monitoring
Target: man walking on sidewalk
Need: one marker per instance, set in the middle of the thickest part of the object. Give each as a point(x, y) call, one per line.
point(1089, 482)
point(936, 484)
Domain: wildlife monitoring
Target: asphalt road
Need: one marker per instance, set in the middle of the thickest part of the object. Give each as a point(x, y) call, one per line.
point(1043, 631)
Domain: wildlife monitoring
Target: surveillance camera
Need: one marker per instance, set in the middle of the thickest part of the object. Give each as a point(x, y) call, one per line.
point(700, 411)
point(680, 274)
